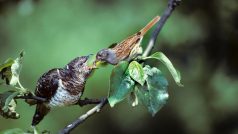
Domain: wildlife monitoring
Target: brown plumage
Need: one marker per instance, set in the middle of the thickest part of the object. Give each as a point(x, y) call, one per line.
point(61, 86)
point(128, 48)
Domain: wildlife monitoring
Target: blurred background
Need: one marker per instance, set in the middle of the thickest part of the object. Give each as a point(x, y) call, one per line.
point(200, 38)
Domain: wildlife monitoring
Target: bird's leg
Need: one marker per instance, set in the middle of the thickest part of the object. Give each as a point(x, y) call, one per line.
point(32, 99)
point(87, 101)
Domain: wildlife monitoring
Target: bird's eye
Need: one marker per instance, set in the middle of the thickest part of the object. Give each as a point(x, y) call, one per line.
point(99, 55)
point(81, 63)
point(104, 54)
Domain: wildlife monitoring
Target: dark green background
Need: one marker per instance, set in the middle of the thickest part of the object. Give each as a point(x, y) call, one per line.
point(200, 39)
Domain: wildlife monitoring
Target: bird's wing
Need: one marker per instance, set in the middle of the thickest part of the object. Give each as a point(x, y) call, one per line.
point(72, 81)
point(124, 48)
point(47, 84)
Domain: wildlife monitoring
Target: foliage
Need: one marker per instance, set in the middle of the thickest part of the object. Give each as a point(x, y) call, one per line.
point(136, 72)
point(8, 105)
point(10, 72)
point(141, 83)
point(161, 57)
point(121, 83)
point(154, 93)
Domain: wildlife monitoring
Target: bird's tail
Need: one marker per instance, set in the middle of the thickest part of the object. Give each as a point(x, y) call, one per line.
point(41, 111)
point(149, 25)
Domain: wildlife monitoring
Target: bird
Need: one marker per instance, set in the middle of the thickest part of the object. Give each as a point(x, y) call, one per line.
point(61, 86)
point(126, 49)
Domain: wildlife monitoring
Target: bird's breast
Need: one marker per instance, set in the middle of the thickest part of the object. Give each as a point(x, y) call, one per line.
point(63, 97)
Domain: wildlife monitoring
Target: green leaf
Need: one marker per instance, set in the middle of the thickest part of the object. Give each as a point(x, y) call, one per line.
point(136, 72)
point(9, 97)
point(16, 69)
point(5, 70)
point(13, 131)
point(160, 56)
point(7, 63)
point(8, 105)
point(154, 94)
point(10, 70)
point(120, 83)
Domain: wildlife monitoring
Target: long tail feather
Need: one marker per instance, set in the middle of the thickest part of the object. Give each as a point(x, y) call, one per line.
point(41, 111)
point(149, 25)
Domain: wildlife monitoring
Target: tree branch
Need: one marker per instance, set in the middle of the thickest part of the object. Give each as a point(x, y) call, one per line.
point(87, 101)
point(37, 99)
point(171, 6)
point(83, 117)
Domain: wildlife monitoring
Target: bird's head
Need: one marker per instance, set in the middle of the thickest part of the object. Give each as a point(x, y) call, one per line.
point(107, 55)
point(77, 62)
point(79, 66)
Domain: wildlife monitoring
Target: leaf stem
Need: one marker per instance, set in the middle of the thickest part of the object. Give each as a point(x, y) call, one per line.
point(23, 90)
point(19, 83)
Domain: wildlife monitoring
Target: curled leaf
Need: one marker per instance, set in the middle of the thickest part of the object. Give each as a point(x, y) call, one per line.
point(8, 105)
point(16, 69)
point(5, 70)
point(6, 64)
point(10, 70)
point(161, 57)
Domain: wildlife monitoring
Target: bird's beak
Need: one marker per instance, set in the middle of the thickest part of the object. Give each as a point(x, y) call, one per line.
point(100, 64)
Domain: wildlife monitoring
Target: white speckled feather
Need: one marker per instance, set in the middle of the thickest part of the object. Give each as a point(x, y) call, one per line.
point(62, 97)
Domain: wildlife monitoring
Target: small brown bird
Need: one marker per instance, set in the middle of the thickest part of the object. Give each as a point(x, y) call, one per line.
point(128, 48)
point(61, 86)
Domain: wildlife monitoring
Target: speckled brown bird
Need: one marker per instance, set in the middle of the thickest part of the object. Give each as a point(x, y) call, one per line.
point(128, 48)
point(61, 86)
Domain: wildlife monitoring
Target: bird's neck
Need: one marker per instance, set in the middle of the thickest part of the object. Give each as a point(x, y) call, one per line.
point(81, 73)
